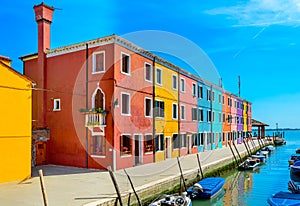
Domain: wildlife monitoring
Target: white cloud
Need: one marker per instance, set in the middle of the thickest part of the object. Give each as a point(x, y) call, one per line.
point(262, 12)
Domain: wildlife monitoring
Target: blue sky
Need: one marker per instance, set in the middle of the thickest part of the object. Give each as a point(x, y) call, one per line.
point(256, 39)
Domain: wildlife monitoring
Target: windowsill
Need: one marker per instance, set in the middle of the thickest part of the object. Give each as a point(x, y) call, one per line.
point(125, 155)
point(148, 153)
point(160, 151)
point(148, 116)
point(56, 110)
point(99, 72)
point(128, 74)
point(98, 156)
point(126, 114)
point(176, 149)
point(146, 80)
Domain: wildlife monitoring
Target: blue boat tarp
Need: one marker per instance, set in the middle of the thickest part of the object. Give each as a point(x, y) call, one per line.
point(284, 198)
point(210, 186)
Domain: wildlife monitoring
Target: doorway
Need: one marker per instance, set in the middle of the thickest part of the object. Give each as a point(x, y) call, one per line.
point(40, 153)
point(138, 149)
point(168, 147)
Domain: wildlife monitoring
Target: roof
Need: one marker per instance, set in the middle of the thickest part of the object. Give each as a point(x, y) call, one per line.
point(256, 123)
point(16, 73)
point(5, 58)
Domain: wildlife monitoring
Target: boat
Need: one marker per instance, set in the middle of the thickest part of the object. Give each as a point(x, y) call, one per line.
point(261, 157)
point(284, 198)
point(298, 151)
point(269, 148)
point(295, 168)
point(249, 164)
point(207, 188)
point(291, 198)
point(293, 158)
point(279, 141)
point(174, 200)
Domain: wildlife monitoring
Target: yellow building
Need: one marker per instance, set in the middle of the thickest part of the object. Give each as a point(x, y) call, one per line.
point(15, 124)
point(166, 114)
point(245, 116)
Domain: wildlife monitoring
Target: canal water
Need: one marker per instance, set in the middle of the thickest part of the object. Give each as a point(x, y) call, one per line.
point(255, 187)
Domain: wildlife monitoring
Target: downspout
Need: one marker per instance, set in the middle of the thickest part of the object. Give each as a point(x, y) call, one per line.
point(86, 103)
point(211, 117)
point(178, 110)
point(153, 108)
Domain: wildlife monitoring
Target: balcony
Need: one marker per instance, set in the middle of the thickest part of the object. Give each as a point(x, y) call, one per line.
point(93, 119)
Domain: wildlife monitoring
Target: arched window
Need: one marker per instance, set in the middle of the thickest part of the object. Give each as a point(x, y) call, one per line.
point(98, 99)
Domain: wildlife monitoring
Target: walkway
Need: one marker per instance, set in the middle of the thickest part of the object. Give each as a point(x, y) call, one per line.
point(77, 186)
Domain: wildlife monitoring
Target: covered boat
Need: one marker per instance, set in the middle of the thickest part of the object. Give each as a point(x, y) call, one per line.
point(294, 158)
point(206, 188)
point(279, 141)
point(291, 198)
point(249, 164)
point(295, 168)
point(172, 200)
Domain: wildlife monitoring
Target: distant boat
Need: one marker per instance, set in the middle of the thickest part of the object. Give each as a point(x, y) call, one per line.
point(172, 200)
point(298, 151)
point(249, 164)
point(279, 141)
point(206, 188)
point(261, 157)
point(293, 158)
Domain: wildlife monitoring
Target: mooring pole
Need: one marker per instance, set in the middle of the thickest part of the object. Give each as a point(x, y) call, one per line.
point(237, 151)
point(246, 147)
point(136, 195)
point(229, 143)
point(181, 174)
point(43, 187)
point(115, 184)
point(199, 164)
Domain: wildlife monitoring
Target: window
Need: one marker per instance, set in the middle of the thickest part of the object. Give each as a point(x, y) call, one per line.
point(213, 96)
point(213, 116)
point(98, 145)
point(182, 84)
point(224, 117)
point(208, 95)
point(148, 107)
point(125, 100)
point(220, 98)
point(194, 114)
point(99, 62)
point(182, 112)
point(148, 143)
point(200, 115)
point(194, 89)
point(223, 100)
point(125, 63)
point(201, 140)
point(209, 116)
point(148, 72)
point(159, 142)
point(159, 108)
point(174, 82)
point(183, 140)
point(174, 111)
point(158, 76)
point(56, 105)
point(125, 144)
point(220, 117)
point(200, 92)
point(176, 141)
point(195, 140)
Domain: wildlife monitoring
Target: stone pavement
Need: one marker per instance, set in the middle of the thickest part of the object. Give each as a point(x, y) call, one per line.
point(77, 186)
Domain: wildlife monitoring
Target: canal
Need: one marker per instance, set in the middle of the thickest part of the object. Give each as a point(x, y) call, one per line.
point(255, 187)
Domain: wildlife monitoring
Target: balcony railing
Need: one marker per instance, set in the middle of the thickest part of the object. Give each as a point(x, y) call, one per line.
point(95, 119)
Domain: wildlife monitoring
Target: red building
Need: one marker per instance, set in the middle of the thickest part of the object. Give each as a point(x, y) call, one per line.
point(78, 92)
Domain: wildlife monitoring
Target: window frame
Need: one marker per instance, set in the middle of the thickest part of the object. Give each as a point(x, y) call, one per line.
point(95, 62)
point(147, 151)
point(182, 85)
point(176, 112)
point(176, 78)
point(145, 107)
point(121, 63)
point(161, 116)
point(194, 89)
point(129, 152)
point(103, 146)
point(55, 101)
point(182, 112)
point(129, 112)
point(145, 72)
point(161, 76)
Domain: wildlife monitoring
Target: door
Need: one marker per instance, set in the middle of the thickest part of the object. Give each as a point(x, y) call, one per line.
point(168, 147)
point(189, 144)
point(40, 153)
point(137, 149)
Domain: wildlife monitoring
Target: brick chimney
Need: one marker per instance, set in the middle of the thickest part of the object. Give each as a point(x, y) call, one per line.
point(43, 17)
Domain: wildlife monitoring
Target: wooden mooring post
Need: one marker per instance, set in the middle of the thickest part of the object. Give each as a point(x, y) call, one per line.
point(131, 184)
point(229, 143)
point(237, 151)
point(244, 141)
point(181, 174)
point(115, 185)
point(43, 188)
point(199, 164)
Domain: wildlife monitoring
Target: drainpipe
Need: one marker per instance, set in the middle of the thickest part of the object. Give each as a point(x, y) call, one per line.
point(87, 103)
point(211, 117)
point(178, 110)
point(153, 108)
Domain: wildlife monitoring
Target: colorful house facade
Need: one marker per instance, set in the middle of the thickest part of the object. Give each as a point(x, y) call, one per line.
point(15, 142)
point(107, 102)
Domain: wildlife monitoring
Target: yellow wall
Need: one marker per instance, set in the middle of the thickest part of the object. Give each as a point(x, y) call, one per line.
point(15, 126)
point(245, 126)
point(165, 93)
